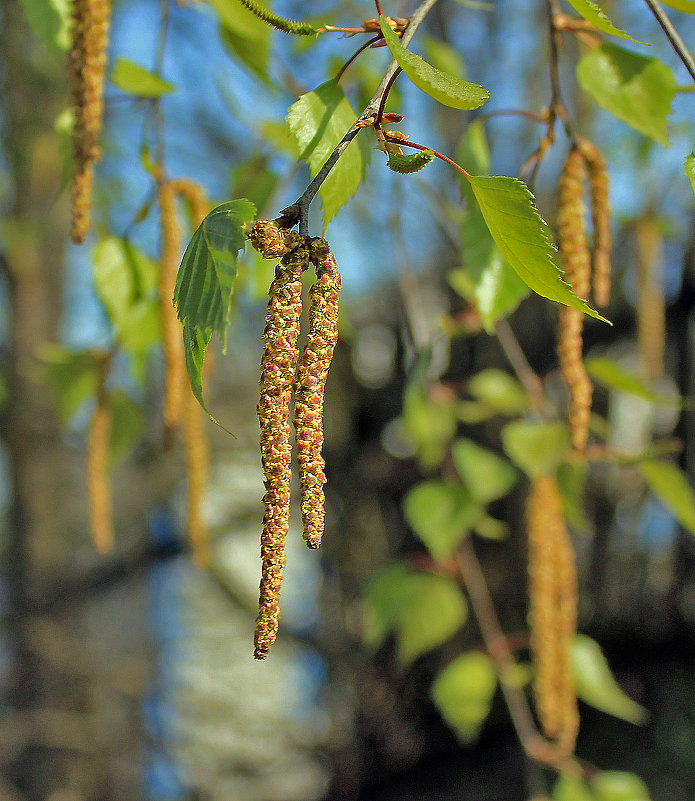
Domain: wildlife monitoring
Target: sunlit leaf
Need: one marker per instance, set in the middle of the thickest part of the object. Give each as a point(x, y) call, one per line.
point(498, 391)
point(523, 238)
point(490, 528)
point(318, 121)
point(689, 167)
point(571, 788)
point(383, 600)
point(615, 785)
point(443, 56)
point(50, 21)
point(463, 693)
point(611, 375)
point(244, 36)
point(687, 6)
point(672, 487)
point(537, 448)
point(446, 89)
point(593, 13)
point(441, 515)
point(487, 475)
point(635, 89)
point(595, 684)
point(135, 80)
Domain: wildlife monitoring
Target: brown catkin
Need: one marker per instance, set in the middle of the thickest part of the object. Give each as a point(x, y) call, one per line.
point(575, 255)
point(552, 612)
point(98, 483)
point(278, 366)
point(174, 362)
point(271, 241)
point(86, 68)
point(197, 464)
point(600, 216)
point(312, 373)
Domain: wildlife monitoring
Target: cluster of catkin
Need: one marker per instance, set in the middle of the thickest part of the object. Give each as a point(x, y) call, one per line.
point(86, 68)
point(582, 269)
point(180, 407)
point(98, 457)
point(552, 612)
point(281, 374)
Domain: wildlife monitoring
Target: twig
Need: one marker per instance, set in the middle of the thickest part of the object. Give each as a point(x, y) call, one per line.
point(300, 208)
point(354, 56)
point(535, 746)
point(385, 96)
point(673, 36)
point(513, 112)
point(517, 358)
point(378, 7)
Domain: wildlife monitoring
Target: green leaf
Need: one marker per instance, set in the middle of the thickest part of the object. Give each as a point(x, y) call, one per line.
point(689, 168)
point(50, 21)
point(423, 610)
point(443, 56)
point(686, 6)
point(441, 515)
point(318, 121)
point(499, 391)
point(463, 693)
point(537, 448)
point(205, 283)
point(570, 788)
point(72, 375)
point(593, 13)
point(430, 423)
point(431, 613)
point(490, 528)
point(615, 785)
point(125, 280)
point(127, 423)
point(635, 89)
point(135, 80)
point(244, 36)
point(446, 89)
point(523, 238)
point(672, 487)
point(486, 475)
point(611, 375)
point(595, 684)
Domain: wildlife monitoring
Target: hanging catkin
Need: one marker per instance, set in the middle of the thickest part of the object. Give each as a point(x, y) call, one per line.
point(87, 64)
point(575, 255)
point(98, 483)
point(651, 310)
point(312, 373)
point(271, 241)
point(197, 464)
point(552, 612)
point(600, 216)
point(278, 367)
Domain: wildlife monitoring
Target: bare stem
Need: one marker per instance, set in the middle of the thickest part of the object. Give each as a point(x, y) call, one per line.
point(517, 358)
point(673, 36)
point(355, 55)
point(300, 208)
point(385, 97)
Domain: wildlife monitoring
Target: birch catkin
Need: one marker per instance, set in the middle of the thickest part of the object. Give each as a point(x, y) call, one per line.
point(552, 612)
point(600, 216)
point(98, 483)
point(309, 389)
point(87, 64)
point(574, 249)
point(197, 464)
point(278, 366)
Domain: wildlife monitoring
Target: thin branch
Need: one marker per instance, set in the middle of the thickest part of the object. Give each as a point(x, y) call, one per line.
point(385, 96)
point(673, 36)
point(355, 55)
point(378, 7)
point(517, 358)
point(300, 209)
point(513, 112)
point(407, 143)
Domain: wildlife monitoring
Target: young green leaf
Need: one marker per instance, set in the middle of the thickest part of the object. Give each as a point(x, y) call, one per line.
point(244, 36)
point(618, 785)
point(523, 238)
point(689, 168)
point(486, 475)
point(50, 21)
point(593, 13)
point(135, 80)
point(595, 684)
point(571, 788)
point(671, 486)
point(446, 89)
point(499, 391)
point(611, 375)
point(441, 515)
point(413, 162)
point(537, 448)
point(318, 121)
point(635, 89)
point(687, 6)
point(72, 375)
point(463, 693)
point(205, 282)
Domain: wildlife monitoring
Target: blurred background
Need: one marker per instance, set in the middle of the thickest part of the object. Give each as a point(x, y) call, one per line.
point(130, 675)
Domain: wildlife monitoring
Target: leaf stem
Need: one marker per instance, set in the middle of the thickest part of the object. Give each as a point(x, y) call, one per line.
point(299, 210)
point(358, 52)
point(673, 36)
point(408, 143)
point(384, 97)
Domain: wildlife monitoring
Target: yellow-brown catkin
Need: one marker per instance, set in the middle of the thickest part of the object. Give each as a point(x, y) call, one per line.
point(197, 465)
point(651, 309)
point(271, 241)
point(600, 216)
point(86, 68)
point(575, 255)
point(278, 366)
point(172, 343)
point(552, 613)
point(98, 483)
point(312, 373)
